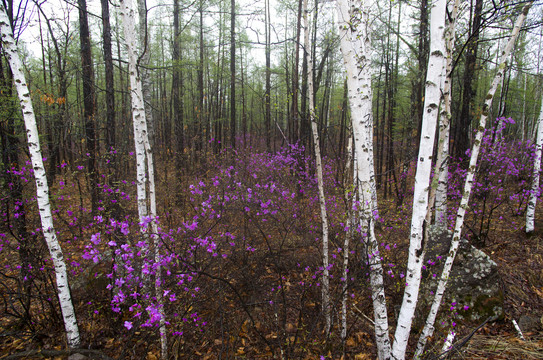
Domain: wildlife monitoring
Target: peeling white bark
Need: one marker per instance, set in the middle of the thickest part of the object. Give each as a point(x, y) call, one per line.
point(42, 189)
point(442, 161)
point(530, 212)
point(355, 32)
point(429, 326)
point(434, 81)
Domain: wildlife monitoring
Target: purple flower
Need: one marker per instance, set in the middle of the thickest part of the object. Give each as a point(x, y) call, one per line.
point(128, 325)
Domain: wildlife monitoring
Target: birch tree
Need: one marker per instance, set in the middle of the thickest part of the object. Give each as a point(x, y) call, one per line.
point(442, 161)
point(429, 326)
point(355, 31)
point(143, 61)
point(320, 182)
point(42, 188)
point(144, 158)
point(530, 212)
point(348, 175)
point(434, 75)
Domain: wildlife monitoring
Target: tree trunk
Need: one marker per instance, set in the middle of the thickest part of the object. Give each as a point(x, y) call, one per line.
point(89, 101)
point(429, 325)
point(320, 181)
point(267, 94)
point(177, 89)
point(422, 60)
point(294, 114)
point(434, 81)
point(144, 157)
point(200, 76)
point(535, 192)
point(143, 62)
point(463, 124)
point(442, 161)
point(355, 34)
point(110, 83)
point(233, 73)
point(42, 189)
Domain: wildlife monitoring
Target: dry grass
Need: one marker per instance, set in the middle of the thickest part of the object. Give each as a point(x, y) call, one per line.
point(501, 347)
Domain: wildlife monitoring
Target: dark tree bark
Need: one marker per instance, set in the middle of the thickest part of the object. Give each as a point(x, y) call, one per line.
point(422, 60)
point(305, 134)
point(243, 102)
point(177, 87)
point(268, 76)
point(233, 73)
point(200, 75)
point(143, 62)
point(89, 101)
point(462, 129)
point(110, 83)
point(294, 115)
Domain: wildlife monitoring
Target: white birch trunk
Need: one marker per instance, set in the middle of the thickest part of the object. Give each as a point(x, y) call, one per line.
point(442, 162)
point(42, 189)
point(530, 212)
point(144, 60)
point(355, 33)
point(349, 224)
point(144, 156)
point(429, 326)
point(320, 182)
point(422, 177)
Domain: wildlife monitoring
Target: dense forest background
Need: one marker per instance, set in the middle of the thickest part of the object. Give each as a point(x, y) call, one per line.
point(226, 90)
point(203, 96)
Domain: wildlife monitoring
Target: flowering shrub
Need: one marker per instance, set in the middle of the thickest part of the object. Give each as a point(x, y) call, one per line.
point(502, 182)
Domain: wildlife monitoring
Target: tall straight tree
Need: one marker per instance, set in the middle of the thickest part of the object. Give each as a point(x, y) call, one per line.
point(89, 100)
point(434, 86)
point(267, 95)
point(233, 73)
point(42, 189)
point(439, 199)
point(530, 212)
point(110, 83)
point(422, 63)
point(143, 63)
point(320, 181)
point(294, 120)
point(463, 123)
point(177, 86)
point(146, 198)
point(200, 76)
point(355, 34)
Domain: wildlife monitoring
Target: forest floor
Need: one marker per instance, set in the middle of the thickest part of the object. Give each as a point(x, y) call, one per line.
point(248, 317)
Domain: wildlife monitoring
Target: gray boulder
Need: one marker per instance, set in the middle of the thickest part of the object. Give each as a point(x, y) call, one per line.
point(473, 290)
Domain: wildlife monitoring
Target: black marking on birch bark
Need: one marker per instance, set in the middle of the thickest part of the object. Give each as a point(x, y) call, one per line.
point(419, 251)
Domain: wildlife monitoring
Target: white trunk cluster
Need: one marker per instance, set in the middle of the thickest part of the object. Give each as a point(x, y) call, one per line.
point(530, 212)
point(144, 156)
point(355, 32)
point(434, 80)
point(442, 161)
point(429, 326)
point(42, 189)
point(320, 181)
